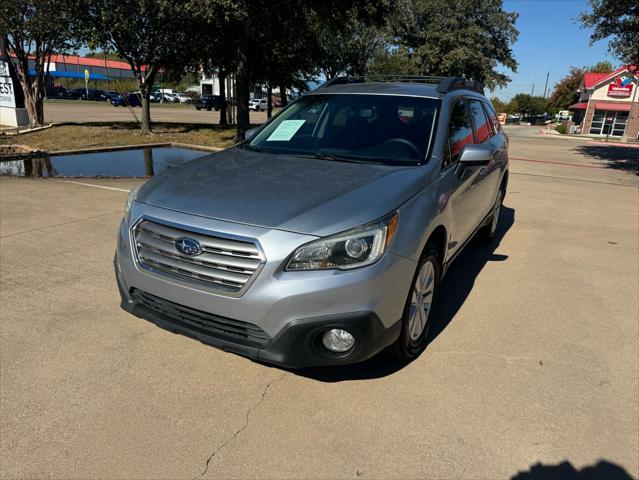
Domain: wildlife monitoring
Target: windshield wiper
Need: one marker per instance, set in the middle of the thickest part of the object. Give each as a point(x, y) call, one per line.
point(347, 158)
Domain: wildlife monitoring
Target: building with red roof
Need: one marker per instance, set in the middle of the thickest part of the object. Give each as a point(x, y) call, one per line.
point(609, 103)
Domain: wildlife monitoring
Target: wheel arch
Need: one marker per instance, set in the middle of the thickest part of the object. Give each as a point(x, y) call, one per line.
point(439, 239)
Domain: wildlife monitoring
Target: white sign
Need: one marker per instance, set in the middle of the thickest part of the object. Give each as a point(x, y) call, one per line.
point(7, 96)
point(285, 131)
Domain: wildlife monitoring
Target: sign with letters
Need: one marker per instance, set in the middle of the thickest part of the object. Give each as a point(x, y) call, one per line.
point(7, 95)
point(621, 87)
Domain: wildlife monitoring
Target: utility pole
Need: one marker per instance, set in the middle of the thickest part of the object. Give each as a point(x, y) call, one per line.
point(532, 91)
point(546, 86)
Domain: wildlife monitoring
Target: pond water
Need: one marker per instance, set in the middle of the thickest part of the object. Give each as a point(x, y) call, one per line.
point(143, 162)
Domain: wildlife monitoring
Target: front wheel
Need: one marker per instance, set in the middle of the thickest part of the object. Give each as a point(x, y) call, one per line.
point(417, 317)
point(489, 231)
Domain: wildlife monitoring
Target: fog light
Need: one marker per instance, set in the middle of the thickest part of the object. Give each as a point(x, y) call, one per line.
point(338, 340)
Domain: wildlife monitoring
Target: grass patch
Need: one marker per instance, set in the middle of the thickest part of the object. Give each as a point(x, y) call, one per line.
point(87, 135)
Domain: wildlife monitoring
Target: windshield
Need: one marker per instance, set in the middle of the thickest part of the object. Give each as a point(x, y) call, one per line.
point(388, 129)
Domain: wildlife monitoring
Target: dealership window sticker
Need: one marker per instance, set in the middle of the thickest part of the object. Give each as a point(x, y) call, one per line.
point(285, 131)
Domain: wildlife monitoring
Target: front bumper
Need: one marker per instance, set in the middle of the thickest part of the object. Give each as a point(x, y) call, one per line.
point(297, 345)
point(283, 312)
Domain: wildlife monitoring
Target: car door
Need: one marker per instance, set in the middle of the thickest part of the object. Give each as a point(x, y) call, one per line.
point(486, 181)
point(457, 183)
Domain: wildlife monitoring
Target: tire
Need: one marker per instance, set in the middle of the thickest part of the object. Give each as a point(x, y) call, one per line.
point(198, 108)
point(413, 336)
point(208, 109)
point(488, 232)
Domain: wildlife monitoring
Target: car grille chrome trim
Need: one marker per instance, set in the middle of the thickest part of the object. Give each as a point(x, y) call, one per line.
point(227, 264)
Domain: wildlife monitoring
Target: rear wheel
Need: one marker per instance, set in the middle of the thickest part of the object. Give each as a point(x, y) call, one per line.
point(417, 317)
point(198, 108)
point(208, 109)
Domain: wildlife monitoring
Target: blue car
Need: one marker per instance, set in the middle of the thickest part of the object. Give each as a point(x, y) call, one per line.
point(125, 99)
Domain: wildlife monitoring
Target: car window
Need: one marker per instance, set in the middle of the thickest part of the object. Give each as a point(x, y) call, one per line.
point(483, 129)
point(390, 129)
point(492, 115)
point(460, 133)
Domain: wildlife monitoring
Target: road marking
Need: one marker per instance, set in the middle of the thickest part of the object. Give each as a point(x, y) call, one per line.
point(96, 186)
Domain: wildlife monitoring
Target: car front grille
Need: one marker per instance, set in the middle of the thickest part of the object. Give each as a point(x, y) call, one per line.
point(202, 322)
point(224, 263)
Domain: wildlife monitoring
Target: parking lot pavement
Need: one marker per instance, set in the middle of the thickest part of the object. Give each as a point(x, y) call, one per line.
point(534, 359)
point(61, 111)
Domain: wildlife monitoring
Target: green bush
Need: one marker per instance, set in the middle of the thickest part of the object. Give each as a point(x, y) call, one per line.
point(562, 129)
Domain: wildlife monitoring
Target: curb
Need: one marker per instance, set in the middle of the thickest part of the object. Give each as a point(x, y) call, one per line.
point(115, 148)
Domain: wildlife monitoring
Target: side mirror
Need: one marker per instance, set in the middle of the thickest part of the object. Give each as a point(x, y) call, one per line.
point(249, 133)
point(476, 155)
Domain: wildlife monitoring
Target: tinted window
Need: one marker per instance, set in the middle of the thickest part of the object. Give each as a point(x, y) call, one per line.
point(460, 133)
point(483, 130)
point(494, 119)
point(378, 128)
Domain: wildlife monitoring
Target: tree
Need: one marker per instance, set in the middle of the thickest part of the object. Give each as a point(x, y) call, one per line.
point(566, 92)
point(280, 46)
point(469, 38)
point(601, 67)
point(499, 105)
point(150, 35)
point(33, 30)
point(617, 20)
point(528, 105)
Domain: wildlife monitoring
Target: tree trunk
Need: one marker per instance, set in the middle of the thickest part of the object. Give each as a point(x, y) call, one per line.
point(148, 162)
point(269, 101)
point(221, 78)
point(283, 97)
point(145, 126)
point(243, 94)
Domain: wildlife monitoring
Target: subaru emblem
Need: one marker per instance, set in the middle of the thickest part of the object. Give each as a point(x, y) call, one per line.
point(188, 246)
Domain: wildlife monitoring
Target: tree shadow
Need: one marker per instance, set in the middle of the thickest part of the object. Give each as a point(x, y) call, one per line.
point(158, 127)
point(565, 471)
point(614, 156)
point(454, 290)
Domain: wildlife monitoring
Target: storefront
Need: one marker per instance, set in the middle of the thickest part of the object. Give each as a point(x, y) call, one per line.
point(609, 104)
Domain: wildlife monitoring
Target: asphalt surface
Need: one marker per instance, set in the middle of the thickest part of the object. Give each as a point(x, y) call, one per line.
point(532, 368)
point(62, 111)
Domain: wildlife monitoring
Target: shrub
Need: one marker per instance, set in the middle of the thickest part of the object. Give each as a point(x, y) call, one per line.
point(562, 129)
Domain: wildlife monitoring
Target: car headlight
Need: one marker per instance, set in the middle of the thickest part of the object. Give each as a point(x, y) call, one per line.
point(352, 249)
point(129, 202)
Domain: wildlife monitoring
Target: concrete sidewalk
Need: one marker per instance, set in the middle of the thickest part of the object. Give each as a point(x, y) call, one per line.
point(534, 358)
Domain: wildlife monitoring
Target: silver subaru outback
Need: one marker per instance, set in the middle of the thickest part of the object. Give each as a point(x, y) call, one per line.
point(323, 238)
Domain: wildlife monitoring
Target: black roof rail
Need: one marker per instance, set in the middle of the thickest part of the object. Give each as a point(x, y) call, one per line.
point(444, 84)
point(459, 83)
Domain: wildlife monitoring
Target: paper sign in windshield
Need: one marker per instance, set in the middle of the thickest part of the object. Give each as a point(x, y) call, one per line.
point(285, 131)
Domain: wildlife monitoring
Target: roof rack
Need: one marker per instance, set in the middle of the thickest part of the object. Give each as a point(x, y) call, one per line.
point(444, 84)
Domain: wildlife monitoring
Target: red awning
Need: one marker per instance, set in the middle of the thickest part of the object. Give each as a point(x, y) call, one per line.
point(578, 106)
point(617, 107)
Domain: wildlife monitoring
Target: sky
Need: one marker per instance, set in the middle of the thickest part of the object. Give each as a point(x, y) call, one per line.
point(550, 40)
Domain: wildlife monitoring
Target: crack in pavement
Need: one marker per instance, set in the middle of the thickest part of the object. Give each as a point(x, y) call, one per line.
point(244, 426)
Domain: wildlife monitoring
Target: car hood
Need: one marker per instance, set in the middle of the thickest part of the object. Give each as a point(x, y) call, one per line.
point(305, 195)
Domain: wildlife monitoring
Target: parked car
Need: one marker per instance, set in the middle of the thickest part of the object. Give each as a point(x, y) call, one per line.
point(73, 94)
point(209, 102)
point(93, 94)
point(183, 98)
point(124, 99)
point(111, 94)
point(258, 104)
point(323, 238)
point(155, 97)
